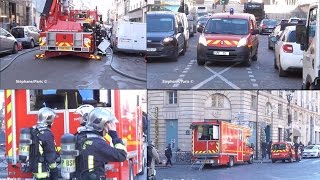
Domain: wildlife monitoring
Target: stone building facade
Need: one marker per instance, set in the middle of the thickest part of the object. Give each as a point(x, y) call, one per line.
point(265, 112)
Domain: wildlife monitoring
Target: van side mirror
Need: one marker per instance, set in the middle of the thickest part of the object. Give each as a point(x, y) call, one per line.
point(180, 29)
point(301, 36)
point(200, 29)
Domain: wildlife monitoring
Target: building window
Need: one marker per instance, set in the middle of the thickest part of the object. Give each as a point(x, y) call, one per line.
point(173, 97)
point(279, 134)
point(217, 100)
point(268, 109)
point(253, 102)
point(280, 110)
point(295, 118)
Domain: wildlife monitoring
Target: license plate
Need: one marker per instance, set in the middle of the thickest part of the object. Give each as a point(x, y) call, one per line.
point(151, 49)
point(65, 48)
point(221, 53)
point(124, 40)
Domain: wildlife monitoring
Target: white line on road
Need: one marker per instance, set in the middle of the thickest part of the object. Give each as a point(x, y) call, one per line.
point(223, 78)
point(182, 75)
point(248, 69)
point(253, 80)
point(252, 76)
point(250, 72)
point(255, 85)
point(214, 76)
point(186, 71)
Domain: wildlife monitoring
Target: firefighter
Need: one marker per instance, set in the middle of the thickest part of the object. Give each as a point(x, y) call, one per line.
point(83, 111)
point(94, 150)
point(43, 159)
point(296, 150)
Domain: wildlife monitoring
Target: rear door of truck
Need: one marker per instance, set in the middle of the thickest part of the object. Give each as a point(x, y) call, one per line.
point(125, 35)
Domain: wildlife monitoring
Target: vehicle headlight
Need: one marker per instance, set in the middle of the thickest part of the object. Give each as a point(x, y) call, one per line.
point(202, 40)
point(168, 41)
point(242, 42)
point(44, 39)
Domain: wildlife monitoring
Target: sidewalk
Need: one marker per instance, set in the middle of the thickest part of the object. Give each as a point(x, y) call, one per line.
point(262, 161)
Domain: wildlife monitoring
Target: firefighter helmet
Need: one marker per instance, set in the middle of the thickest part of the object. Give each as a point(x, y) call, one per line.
point(46, 116)
point(84, 111)
point(98, 117)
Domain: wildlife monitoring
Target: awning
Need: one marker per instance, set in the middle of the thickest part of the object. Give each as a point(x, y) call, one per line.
point(296, 132)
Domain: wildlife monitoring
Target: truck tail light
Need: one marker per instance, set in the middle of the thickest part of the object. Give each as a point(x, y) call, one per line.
point(287, 48)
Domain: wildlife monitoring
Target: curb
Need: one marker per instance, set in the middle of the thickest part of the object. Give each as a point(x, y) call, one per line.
point(14, 58)
point(126, 75)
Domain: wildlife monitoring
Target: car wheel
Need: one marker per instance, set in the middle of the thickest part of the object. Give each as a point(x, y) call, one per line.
point(291, 159)
point(15, 48)
point(247, 63)
point(255, 57)
point(273, 161)
point(31, 44)
point(275, 63)
point(200, 62)
point(231, 161)
point(282, 73)
point(318, 154)
point(250, 160)
point(184, 49)
point(176, 56)
point(283, 160)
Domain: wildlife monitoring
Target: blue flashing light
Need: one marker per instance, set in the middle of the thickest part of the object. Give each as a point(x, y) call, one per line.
point(231, 11)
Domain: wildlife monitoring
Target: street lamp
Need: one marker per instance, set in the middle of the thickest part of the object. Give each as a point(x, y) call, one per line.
point(290, 129)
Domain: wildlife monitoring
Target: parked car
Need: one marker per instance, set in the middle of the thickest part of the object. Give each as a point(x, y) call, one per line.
point(267, 25)
point(311, 151)
point(8, 43)
point(282, 151)
point(165, 35)
point(294, 20)
point(27, 35)
point(273, 35)
point(288, 55)
point(202, 21)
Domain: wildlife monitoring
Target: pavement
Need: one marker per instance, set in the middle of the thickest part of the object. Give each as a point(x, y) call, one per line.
point(307, 169)
point(186, 74)
point(124, 71)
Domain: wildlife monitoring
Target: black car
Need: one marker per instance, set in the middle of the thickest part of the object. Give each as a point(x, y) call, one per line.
point(165, 35)
point(202, 21)
point(272, 37)
point(267, 26)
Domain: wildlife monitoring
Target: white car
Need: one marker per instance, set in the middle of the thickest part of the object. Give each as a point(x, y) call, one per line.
point(311, 151)
point(288, 55)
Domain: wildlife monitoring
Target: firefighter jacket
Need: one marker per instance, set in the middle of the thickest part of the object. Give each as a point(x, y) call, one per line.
point(95, 152)
point(45, 165)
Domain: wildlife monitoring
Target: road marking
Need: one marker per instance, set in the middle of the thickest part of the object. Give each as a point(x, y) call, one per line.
point(252, 76)
point(182, 75)
point(250, 72)
point(255, 85)
point(253, 80)
point(216, 75)
point(185, 71)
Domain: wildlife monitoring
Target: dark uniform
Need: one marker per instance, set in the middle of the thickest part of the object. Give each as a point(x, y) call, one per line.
point(45, 165)
point(96, 152)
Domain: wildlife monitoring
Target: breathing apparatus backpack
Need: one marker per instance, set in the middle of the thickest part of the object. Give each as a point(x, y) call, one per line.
point(29, 151)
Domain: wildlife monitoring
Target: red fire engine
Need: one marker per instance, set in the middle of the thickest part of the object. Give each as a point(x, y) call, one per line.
point(69, 32)
point(21, 108)
point(220, 143)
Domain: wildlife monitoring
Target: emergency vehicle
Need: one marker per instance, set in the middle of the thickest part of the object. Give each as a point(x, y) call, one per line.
point(21, 107)
point(255, 8)
point(220, 143)
point(65, 31)
point(228, 37)
point(284, 151)
point(309, 37)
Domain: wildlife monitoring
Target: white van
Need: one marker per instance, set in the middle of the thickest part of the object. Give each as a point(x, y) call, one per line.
point(185, 25)
point(129, 37)
point(309, 37)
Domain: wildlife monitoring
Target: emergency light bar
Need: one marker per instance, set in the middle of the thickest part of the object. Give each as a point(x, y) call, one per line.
point(231, 11)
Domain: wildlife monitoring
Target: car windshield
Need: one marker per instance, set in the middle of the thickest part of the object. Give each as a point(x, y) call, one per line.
point(294, 20)
point(311, 147)
point(279, 147)
point(227, 26)
point(292, 36)
point(270, 22)
point(203, 20)
point(159, 24)
point(18, 32)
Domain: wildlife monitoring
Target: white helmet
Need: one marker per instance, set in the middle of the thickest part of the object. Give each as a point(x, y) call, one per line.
point(98, 117)
point(84, 111)
point(46, 116)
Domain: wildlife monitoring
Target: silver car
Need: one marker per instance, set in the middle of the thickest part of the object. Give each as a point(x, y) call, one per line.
point(8, 44)
point(27, 35)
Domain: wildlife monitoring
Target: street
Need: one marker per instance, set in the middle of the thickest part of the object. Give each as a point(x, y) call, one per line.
point(307, 169)
point(22, 70)
point(186, 74)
